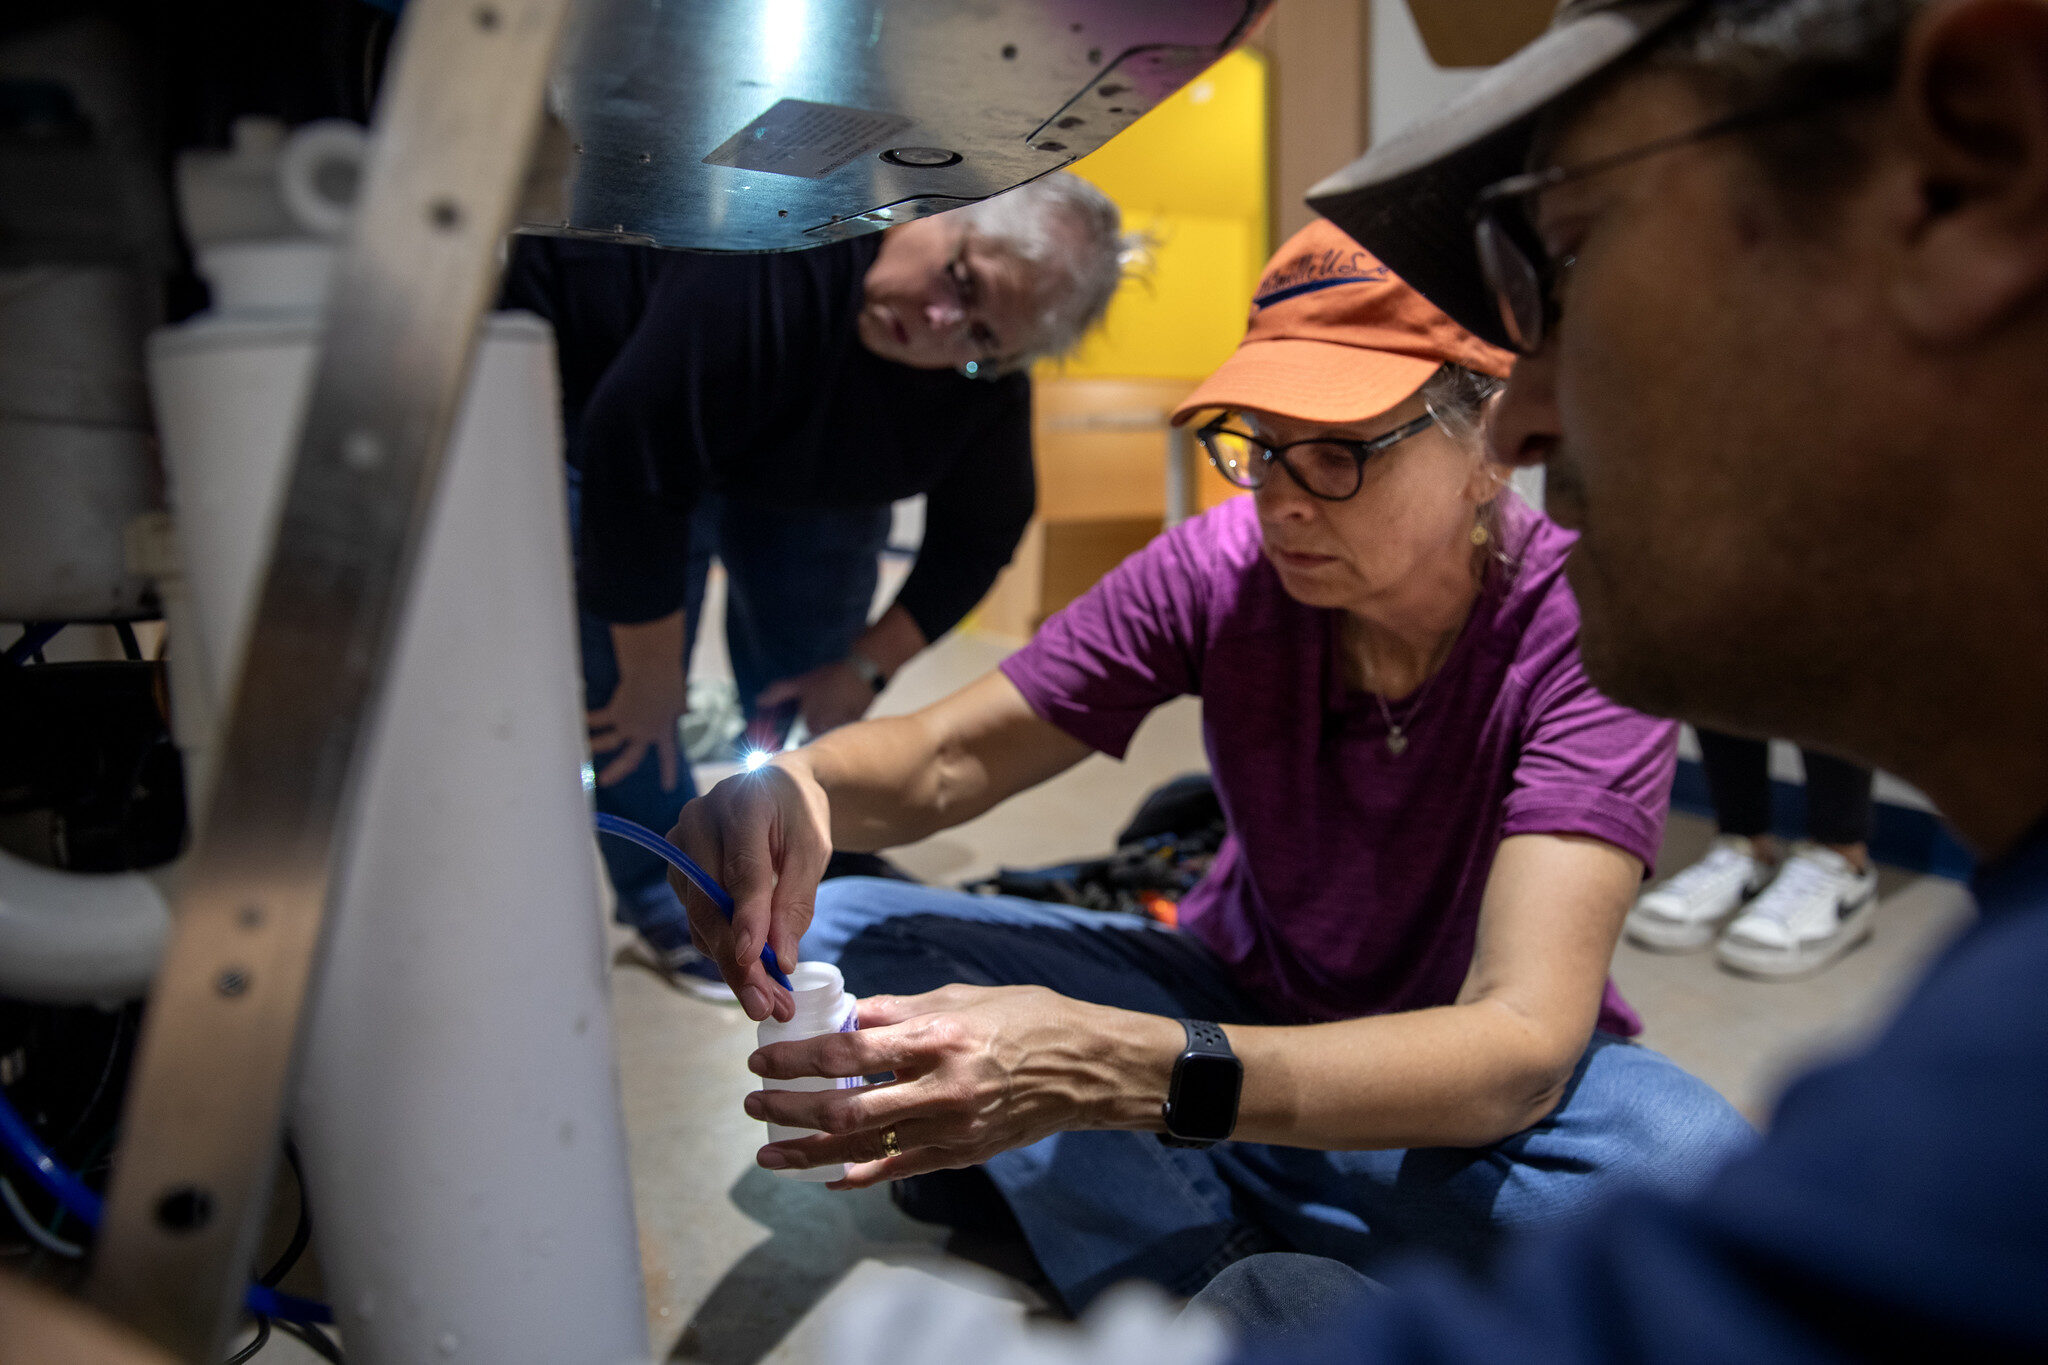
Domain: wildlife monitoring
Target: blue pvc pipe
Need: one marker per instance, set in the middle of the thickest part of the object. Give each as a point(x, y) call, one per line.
point(682, 862)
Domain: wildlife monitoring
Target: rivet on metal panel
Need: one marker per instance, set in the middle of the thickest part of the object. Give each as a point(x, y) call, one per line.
point(184, 1208)
point(232, 982)
point(782, 213)
point(921, 158)
point(1071, 121)
point(1051, 146)
point(646, 157)
point(1009, 52)
point(362, 451)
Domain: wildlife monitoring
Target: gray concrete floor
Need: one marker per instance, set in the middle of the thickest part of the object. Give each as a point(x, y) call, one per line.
point(741, 1265)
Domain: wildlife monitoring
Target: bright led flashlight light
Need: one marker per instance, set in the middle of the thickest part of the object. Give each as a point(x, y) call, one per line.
point(755, 760)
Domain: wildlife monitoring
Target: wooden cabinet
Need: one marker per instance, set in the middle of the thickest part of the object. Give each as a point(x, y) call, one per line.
point(1110, 469)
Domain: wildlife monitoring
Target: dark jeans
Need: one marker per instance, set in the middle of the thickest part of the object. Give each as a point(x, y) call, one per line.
point(1277, 1293)
point(799, 583)
point(1099, 1207)
point(1739, 779)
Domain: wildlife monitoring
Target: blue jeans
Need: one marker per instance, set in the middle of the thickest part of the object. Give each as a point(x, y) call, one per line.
point(1099, 1207)
point(799, 583)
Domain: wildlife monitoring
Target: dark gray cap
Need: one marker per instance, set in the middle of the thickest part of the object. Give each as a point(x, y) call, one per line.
point(1408, 201)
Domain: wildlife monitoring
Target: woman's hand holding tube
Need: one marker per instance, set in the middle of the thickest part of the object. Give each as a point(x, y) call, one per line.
point(978, 1070)
point(765, 837)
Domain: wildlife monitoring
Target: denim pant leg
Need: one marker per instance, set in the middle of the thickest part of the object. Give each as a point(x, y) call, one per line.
point(1630, 1119)
point(1096, 1207)
point(1268, 1296)
point(640, 878)
point(799, 585)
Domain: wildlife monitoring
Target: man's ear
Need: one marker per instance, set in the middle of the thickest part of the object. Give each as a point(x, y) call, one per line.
point(1972, 106)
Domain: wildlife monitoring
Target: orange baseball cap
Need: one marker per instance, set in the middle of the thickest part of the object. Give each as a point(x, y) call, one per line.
point(1336, 337)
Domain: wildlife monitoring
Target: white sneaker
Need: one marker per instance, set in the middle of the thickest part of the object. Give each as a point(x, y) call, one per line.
point(1817, 908)
point(1685, 912)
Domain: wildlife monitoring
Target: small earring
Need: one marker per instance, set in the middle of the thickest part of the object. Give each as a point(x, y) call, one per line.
point(1479, 535)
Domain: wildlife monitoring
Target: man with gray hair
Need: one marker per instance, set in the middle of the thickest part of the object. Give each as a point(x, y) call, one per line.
point(769, 409)
point(1778, 271)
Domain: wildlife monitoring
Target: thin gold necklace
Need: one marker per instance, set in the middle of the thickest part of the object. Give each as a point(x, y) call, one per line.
point(1397, 735)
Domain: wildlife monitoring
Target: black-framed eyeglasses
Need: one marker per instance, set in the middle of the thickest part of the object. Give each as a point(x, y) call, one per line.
point(1325, 467)
point(1520, 271)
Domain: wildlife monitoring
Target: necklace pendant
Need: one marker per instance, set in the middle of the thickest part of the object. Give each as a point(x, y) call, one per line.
point(1397, 743)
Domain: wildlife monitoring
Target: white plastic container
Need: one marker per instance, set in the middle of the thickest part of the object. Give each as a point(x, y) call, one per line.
point(822, 1006)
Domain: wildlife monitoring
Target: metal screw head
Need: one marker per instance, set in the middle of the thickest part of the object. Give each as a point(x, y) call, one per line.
point(362, 451)
point(184, 1208)
point(232, 981)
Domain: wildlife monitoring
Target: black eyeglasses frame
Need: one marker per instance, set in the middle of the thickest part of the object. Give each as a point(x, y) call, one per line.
point(1512, 258)
point(1361, 452)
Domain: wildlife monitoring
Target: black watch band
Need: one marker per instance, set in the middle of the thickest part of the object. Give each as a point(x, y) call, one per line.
point(1201, 1099)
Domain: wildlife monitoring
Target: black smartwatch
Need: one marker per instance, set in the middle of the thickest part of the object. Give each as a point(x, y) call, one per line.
point(1201, 1100)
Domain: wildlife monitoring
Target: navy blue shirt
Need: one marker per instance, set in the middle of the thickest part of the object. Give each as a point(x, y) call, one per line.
point(1897, 1209)
point(744, 375)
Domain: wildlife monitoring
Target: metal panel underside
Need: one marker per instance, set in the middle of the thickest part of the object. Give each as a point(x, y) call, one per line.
point(825, 90)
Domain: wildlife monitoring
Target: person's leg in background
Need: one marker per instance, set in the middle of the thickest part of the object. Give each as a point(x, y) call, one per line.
point(639, 879)
point(1687, 911)
point(1839, 805)
point(1823, 901)
point(799, 585)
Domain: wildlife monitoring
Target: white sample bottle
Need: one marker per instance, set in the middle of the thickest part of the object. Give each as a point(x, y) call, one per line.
point(822, 1006)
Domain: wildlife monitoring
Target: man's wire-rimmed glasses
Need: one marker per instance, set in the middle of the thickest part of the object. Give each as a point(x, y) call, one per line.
point(1324, 467)
point(1520, 270)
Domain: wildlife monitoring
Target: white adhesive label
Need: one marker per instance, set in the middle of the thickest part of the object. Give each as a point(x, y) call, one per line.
point(806, 139)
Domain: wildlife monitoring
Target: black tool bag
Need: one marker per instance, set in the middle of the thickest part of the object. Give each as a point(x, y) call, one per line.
point(1160, 855)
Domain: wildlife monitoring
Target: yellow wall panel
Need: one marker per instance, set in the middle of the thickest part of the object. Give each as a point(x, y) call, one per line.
point(1193, 174)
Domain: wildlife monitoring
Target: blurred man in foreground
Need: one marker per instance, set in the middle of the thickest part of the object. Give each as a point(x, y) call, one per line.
point(1779, 271)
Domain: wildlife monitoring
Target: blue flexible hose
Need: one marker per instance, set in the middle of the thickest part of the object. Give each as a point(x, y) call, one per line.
point(79, 1200)
point(682, 862)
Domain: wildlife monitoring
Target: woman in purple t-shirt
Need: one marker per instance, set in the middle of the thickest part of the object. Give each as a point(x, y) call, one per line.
point(1385, 1019)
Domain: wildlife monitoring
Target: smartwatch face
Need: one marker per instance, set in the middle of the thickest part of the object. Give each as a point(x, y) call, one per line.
point(1205, 1096)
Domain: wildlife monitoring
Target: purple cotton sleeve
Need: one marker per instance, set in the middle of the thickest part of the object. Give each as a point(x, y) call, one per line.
point(1101, 664)
point(1591, 766)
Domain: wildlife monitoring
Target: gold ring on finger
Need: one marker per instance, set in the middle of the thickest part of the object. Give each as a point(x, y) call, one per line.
point(889, 1147)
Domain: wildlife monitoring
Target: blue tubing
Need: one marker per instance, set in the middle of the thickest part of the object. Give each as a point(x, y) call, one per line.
point(682, 862)
point(79, 1200)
